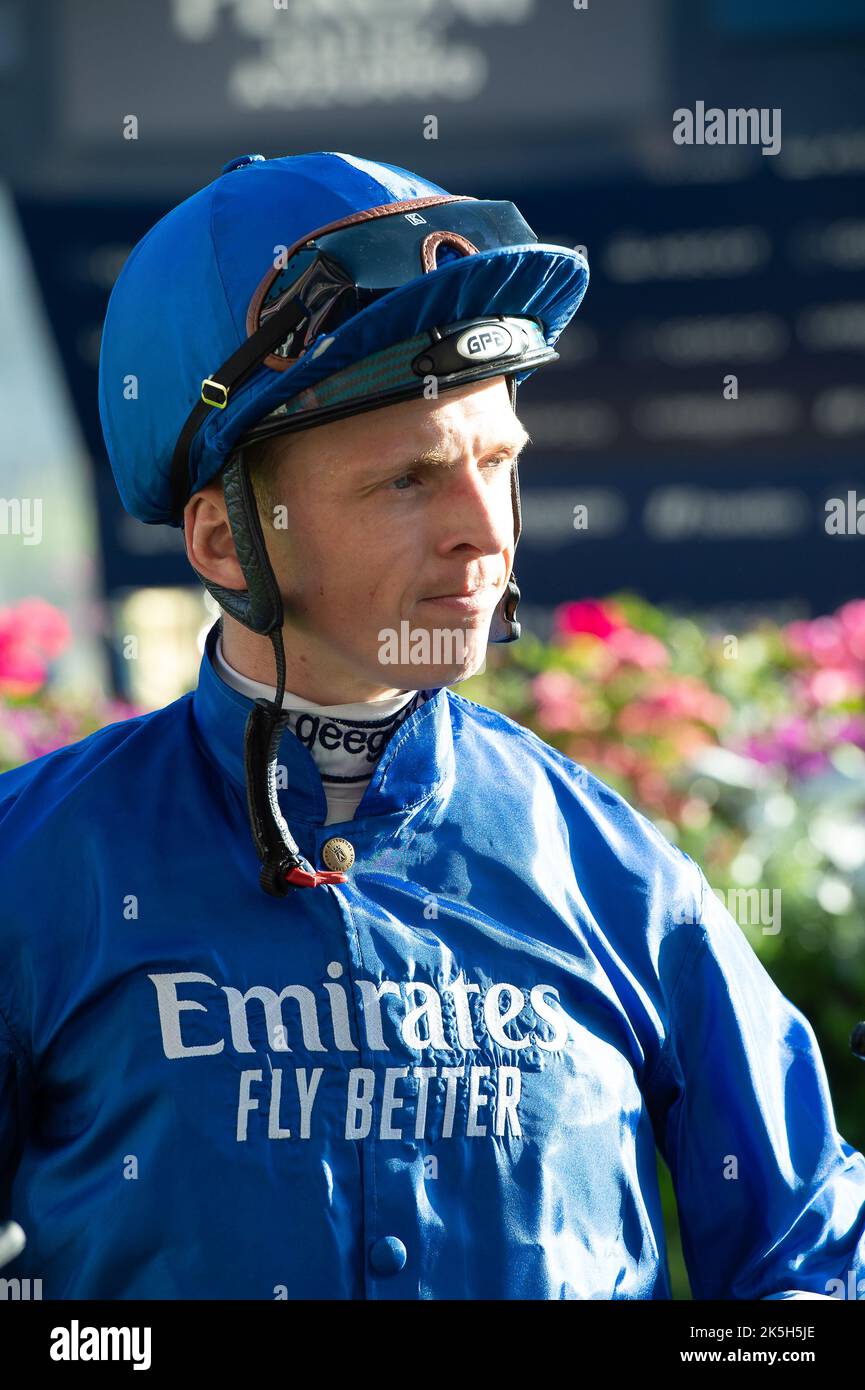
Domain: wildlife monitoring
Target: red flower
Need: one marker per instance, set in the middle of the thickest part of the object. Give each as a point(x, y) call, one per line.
point(588, 615)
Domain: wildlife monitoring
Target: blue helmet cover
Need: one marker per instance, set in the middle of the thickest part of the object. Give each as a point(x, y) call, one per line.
point(178, 309)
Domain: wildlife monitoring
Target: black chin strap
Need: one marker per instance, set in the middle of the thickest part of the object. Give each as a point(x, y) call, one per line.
point(504, 626)
point(282, 865)
point(260, 609)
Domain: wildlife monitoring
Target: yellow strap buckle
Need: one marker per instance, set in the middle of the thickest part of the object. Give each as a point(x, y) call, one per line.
point(222, 401)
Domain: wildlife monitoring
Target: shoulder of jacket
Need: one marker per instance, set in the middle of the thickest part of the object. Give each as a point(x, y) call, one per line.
point(557, 762)
point(486, 717)
point(597, 804)
point(32, 794)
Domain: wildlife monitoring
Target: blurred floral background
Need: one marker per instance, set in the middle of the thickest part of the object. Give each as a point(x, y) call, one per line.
point(748, 751)
point(35, 718)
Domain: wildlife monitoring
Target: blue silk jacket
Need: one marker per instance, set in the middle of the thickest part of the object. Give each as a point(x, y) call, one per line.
point(445, 1078)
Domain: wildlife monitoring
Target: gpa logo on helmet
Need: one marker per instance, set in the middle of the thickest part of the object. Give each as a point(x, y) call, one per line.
point(483, 344)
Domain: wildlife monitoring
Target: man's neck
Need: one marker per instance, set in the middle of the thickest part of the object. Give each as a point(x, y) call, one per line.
point(364, 710)
point(252, 656)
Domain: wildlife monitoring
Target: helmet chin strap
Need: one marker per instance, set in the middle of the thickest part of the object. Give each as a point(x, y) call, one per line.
point(504, 626)
point(259, 608)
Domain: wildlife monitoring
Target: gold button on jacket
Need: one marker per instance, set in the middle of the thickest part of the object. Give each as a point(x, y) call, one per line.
point(338, 854)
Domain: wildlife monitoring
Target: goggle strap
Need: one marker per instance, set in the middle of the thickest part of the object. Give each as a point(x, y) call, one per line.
point(239, 365)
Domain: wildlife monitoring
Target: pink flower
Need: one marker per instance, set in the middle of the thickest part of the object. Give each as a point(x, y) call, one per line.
point(821, 639)
point(852, 730)
point(793, 745)
point(830, 685)
point(836, 642)
point(557, 695)
point(41, 625)
point(638, 649)
point(851, 617)
point(21, 671)
point(590, 616)
point(678, 698)
point(32, 633)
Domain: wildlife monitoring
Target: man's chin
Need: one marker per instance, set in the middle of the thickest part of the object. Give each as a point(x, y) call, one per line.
point(424, 659)
point(431, 677)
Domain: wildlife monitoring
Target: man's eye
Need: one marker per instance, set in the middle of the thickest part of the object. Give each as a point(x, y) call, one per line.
point(496, 462)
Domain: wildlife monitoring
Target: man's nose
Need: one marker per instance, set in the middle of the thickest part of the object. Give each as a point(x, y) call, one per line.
point(478, 510)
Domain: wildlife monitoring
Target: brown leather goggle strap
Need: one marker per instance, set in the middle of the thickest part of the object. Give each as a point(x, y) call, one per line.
point(434, 240)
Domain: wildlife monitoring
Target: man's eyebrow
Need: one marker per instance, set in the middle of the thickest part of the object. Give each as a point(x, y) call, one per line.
point(438, 456)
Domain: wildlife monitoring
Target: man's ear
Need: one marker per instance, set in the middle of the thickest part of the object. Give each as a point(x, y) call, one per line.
point(208, 539)
point(249, 591)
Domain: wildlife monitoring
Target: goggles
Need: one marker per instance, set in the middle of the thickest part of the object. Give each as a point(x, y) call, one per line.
point(335, 274)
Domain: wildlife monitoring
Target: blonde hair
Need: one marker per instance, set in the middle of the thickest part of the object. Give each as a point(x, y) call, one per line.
point(264, 458)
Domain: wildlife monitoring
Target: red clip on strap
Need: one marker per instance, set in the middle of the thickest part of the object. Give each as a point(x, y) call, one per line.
point(301, 879)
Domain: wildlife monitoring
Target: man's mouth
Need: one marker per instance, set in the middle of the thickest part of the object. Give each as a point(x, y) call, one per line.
point(465, 600)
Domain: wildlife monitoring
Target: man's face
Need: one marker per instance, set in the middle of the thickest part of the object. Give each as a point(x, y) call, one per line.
point(378, 515)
